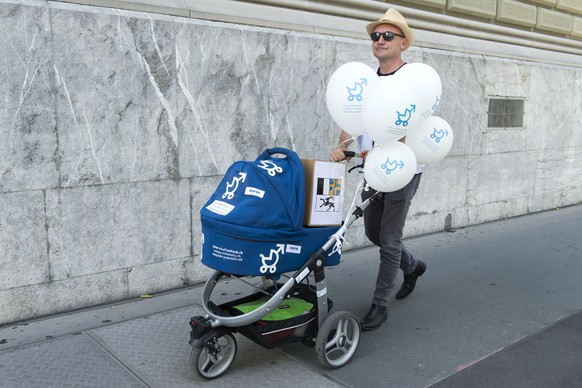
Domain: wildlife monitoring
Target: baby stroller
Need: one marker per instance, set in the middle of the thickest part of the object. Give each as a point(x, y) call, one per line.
point(252, 226)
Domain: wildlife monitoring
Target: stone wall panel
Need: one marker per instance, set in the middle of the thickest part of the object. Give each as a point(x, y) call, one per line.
point(481, 8)
point(28, 136)
point(551, 107)
point(112, 227)
point(570, 5)
point(43, 299)
point(550, 3)
point(577, 26)
point(463, 99)
point(23, 243)
point(554, 21)
point(516, 13)
point(116, 98)
point(501, 177)
point(440, 4)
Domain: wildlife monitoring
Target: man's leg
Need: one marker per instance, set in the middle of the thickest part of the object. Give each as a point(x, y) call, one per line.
point(407, 262)
point(373, 216)
point(393, 212)
point(394, 215)
point(412, 269)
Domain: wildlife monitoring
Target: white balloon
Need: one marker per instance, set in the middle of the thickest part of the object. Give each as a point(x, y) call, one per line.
point(428, 82)
point(389, 167)
point(346, 91)
point(390, 109)
point(431, 141)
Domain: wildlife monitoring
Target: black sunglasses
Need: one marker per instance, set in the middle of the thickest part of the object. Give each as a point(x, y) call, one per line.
point(387, 35)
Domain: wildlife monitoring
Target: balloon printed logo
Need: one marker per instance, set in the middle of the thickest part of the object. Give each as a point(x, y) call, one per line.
point(438, 134)
point(357, 90)
point(391, 166)
point(431, 141)
point(404, 118)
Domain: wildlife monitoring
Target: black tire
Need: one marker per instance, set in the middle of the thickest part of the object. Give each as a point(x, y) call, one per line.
point(213, 359)
point(337, 339)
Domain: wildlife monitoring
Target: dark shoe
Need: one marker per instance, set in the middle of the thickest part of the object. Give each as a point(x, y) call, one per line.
point(410, 281)
point(374, 317)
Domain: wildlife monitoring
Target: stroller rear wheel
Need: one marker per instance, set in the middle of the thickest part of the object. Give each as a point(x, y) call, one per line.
point(214, 357)
point(338, 339)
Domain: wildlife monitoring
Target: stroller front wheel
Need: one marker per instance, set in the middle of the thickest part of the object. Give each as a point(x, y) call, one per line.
point(214, 357)
point(337, 339)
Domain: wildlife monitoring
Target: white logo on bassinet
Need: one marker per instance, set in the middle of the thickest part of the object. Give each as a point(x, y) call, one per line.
point(273, 258)
point(270, 262)
point(233, 185)
point(270, 167)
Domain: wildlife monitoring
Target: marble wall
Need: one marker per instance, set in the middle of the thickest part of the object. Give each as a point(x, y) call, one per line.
point(116, 127)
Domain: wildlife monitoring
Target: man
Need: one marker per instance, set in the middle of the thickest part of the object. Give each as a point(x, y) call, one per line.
point(384, 218)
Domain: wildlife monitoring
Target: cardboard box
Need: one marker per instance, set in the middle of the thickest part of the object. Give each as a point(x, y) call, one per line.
point(324, 192)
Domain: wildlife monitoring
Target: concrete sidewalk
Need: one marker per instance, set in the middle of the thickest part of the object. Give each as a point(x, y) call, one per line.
point(500, 305)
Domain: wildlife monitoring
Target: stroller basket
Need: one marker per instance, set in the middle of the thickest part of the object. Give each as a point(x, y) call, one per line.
point(272, 333)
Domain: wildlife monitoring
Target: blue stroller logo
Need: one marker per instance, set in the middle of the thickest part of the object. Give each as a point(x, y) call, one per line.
point(439, 134)
point(391, 166)
point(357, 90)
point(403, 118)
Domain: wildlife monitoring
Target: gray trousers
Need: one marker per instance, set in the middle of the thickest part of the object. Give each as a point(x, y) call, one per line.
point(384, 222)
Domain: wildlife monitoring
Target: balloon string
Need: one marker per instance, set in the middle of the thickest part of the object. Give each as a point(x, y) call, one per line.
point(361, 186)
point(350, 140)
point(339, 242)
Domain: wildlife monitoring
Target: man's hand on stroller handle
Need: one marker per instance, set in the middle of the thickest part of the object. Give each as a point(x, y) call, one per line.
point(340, 154)
point(352, 154)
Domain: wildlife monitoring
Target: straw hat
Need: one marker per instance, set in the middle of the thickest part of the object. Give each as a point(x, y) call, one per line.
point(393, 17)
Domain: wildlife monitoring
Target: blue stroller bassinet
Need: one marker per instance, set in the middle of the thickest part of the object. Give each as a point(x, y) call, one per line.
point(253, 223)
